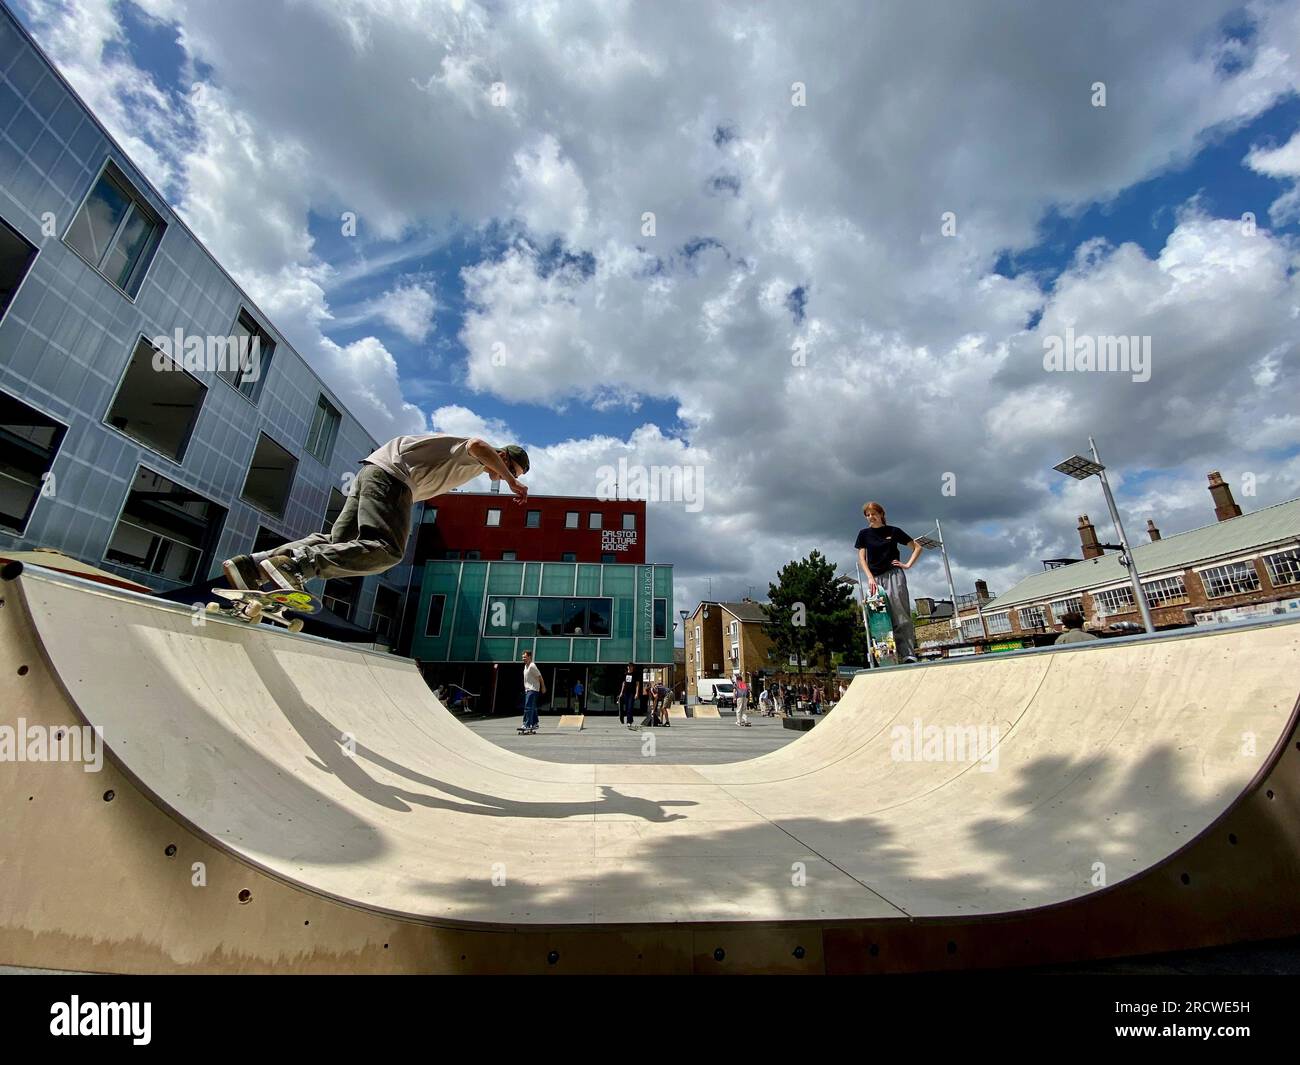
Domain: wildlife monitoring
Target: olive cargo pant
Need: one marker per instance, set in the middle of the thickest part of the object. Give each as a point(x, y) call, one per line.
point(368, 537)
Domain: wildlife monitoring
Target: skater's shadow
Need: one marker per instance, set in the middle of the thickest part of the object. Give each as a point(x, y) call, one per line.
point(340, 756)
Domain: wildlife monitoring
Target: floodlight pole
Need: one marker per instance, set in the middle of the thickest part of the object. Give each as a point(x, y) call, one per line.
point(947, 570)
point(1138, 594)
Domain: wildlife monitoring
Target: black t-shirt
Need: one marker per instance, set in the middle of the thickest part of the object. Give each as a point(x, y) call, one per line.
point(882, 547)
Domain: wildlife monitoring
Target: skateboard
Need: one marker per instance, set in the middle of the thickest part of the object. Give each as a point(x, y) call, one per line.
point(526, 731)
point(252, 605)
point(879, 625)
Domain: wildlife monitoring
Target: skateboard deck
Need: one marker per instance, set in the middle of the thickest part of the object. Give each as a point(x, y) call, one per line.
point(880, 627)
point(252, 605)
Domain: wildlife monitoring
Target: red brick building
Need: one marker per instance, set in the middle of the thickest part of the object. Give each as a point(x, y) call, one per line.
point(492, 527)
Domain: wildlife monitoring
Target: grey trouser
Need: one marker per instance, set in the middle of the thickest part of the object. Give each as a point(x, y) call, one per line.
point(893, 586)
point(369, 535)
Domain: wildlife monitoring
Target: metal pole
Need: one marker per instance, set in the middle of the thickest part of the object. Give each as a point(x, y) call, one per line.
point(1138, 594)
point(952, 588)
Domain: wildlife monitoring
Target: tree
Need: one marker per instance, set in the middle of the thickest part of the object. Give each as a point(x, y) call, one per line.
point(810, 613)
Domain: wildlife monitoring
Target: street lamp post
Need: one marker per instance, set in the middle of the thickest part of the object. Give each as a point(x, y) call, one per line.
point(1081, 469)
point(928, 543)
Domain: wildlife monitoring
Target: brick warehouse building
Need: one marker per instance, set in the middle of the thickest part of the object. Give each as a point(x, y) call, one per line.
point(1242, 565)
point(562, 576)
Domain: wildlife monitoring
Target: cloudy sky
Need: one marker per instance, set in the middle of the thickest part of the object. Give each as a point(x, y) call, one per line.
point(817, 257)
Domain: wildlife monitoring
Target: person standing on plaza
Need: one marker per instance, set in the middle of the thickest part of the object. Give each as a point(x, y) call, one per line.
point(578, 692)
point(742, 699)
point(533, 688)
point(627, 692)
point(765, 702)
point(877, 546)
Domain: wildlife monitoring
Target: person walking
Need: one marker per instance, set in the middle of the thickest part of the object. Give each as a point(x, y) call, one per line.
point(742, 699)
point(533, 688)
point(627, 692)
point(877, 546)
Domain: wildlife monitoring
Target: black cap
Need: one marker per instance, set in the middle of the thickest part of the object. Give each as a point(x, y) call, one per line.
point(518, 456)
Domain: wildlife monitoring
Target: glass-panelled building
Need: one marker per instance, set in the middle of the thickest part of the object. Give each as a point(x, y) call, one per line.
point(149, 459)
point(584, 623)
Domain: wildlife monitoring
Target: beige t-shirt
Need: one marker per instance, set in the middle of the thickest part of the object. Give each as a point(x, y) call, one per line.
point(430, 464)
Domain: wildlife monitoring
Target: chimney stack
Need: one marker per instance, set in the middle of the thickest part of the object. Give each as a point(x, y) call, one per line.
point(1152, 531)
point(982, 590)
point(1088, 537)
point(1225, 506)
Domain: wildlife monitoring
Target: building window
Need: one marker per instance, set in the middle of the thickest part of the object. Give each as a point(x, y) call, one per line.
point(383, 618)
point(493, 517)
point(433, 622)
point(735, 630)
point(508, 556)
point(116, 231)
point(473, 555)
point(16, 257)
point(29, 440)
point(593, 520)
point(661, 619)
point(1283, 567)
point(629, 521)
point(1071, 605)
point(340, 596)
point(324, 430)
point(268, 540)
point(250, 359)
point(608, 556)
point(569, 556)
point(998, 622)
point(1030, 617)
point(429, 515)
point(533, 519)
point(451, 556)
point(571, 519)
point(529, 616)
point(270, 476)
point(971, 629)
point(1115, 600)
point(333, 509)
point(1166, 591)
point(1227, 580)
point(157, 402)
point(165, 529)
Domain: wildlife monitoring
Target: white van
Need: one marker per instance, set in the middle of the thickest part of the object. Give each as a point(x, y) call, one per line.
point(718, 691)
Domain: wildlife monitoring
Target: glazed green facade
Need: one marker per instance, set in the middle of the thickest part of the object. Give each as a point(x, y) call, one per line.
point(470, 588)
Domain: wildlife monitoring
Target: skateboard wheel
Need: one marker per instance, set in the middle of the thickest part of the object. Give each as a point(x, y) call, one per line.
point(295, 625)
point(214, 608)
point(254, 610)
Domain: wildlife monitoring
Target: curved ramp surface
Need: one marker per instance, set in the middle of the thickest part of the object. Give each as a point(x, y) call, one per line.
point(279, 803)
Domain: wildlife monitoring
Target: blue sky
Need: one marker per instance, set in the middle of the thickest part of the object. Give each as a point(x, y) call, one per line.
point(501, 160)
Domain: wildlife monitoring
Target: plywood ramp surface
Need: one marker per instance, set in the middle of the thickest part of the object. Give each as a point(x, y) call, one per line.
point(1048, 789)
